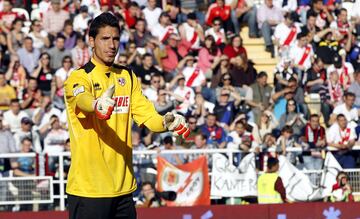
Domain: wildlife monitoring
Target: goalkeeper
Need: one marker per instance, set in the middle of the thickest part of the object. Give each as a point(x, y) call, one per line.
point(101, 100)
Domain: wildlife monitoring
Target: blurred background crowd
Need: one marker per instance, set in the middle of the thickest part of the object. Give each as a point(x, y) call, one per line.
point(190, 58)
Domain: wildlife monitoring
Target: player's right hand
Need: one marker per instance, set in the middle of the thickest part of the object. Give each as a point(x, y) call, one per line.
point(104, 105)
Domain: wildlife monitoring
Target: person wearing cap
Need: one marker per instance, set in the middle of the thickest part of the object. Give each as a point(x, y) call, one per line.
point(344, 69)
point(164, 29)
point(55, 18)
point(81, 20)
point(285, 33)
point(26, 130)
point(151, 14)
point(191, 32)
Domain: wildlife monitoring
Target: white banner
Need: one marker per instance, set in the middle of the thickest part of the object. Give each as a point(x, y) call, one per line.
point(229, 181)
point(328, 177)
point(298, 185)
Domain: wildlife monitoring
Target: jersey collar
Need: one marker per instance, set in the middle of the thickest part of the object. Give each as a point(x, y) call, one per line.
point(100, 66)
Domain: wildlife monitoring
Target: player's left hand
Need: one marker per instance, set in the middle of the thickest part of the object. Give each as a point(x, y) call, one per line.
point(177, 124)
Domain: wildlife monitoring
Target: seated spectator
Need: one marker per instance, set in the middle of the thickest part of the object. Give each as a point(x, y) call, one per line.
point(45, 75)
point(164, 29)
point(148, 198)
point(31, 95)
point(39, 35)
point(267, 124)
point(12, 117)
point(249, 126)
point(342, 136)
point(226, 83)
point(335, 90)
point(293, 118)
point(174, 159)
point(58, 52)
point(347, 109)
point(7, 144)
point(146, 69)
point(28, 55)
point(151, 14)
point(341, 190)
point(215, 134)
point(194, 131)
point(245, 11)
point(268, 16)
point(151, 92)
point(24, 166)
point(287, 141)
point(242, 71)
point(235, 48)
point(69, 34)
point(16, 37)
point(60, 76)
point(315, 78)
point(259, 95)
point(221, 69)
point(201, 108)
point(225, 109)
point(167, 101)
point(310, 26)
point(16, 74)
point(353, 49)
point(220, 9)
point(141, 34)
point(200, 143)
point(55, 18)
point(342, 25)
point(80, 54)
point(194, 76)
point(283, 72)
point(184, 95)
point(209, 57)
point(240, 138)
point(355, 88)
point(131, 14)
point(290, 5)
point(313, 139)
point(7, 16)
point(217, 32)
point(344, 69)
point(7, 93)
point(26, 131)
point(324, 16)
point(285, 33)
point(191, 33)
point(81, 20)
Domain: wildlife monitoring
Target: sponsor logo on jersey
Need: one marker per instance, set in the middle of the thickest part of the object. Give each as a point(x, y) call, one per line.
point(122, 104)
point(78, 91)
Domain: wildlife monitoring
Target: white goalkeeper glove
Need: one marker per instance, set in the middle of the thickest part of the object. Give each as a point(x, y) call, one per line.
point(177, 124)
point(104, 105)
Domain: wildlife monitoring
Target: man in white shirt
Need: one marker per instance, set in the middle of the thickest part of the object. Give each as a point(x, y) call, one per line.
point(164, 28)
point(194, 77)
point(344, 69)
point(27, 131)
point(347, 109)
point(151, 92)
point(342, 136)
point(81, 21)
point(186, 92)
point(152, 14)
point(12, 117)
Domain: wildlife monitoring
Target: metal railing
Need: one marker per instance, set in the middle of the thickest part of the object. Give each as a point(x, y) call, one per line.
point(47, 182)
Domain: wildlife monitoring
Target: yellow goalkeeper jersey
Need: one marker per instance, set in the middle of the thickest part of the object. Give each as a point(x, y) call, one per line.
point(101, 150)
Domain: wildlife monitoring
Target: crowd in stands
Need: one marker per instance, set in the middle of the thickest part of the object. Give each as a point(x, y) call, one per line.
point(190, 59)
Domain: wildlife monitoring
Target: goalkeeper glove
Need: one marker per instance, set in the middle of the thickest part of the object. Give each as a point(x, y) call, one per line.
point(177, 124)
point(104, 105)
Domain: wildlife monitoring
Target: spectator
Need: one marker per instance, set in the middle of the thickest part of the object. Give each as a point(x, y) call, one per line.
point(314, 139)
point(335, 90)
point(28, 55)
point(242, 71)
point(226, 83)
point(310, 26)
point(42, 115)
point(39, 35)
point(268, 16)
point(24, 166)
point(26, 131)
point(194, 131)
point(341, 190)
point(194, 77)
point(215, 134)
point(58, 52)
point(342, 25)
point(174, 159)
point(69, 34)
point(266, 124)
point(60, 76)
point(327, 45)
point(344, 69)
point(240, 139)
point(81, 20)
point(164, 29)
point(283, 72)
point(16, 37)
point(7, 16)
point(221, 69)
point(235, 49)
point(151, 14)
point(45, 75)
point(16, 74)
point(287, 141)
point(31, 95)
point(292, 118)
point(151, 92)
point(342, 136)
point(355, 88)
point(222, 10)
point(141, 35)
point(324, 17)
point(80, 54)
point(186, 94)
point(209, 56)
point(7, 145)
point(12, 117)
point(146, 69)
point(200, 143)
point(164, 102)
point(347, 109)
point(7, 93)
point(191, 33)
point(259, 93)
point(286, 6)
point(285, 33)
point(271, 189)
point(148, 198)
point(201, 108)
point(225, 109)
point(131, 14)
point(217, 32)
point(245, 11)
point(55, 18)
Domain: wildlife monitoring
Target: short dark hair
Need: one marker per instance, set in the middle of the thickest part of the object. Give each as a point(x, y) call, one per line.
point(147, 183)
point(15, 100)
point(314, 116)
point(349, 94)
point(287, 128)
point(25, 139)
point(261, 74)
point(103, 20)
point(271, 162)
point(168, 140)
point(28, 38)
point(339, 116)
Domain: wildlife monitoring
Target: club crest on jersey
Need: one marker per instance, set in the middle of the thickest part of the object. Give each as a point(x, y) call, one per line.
point(122, 81)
